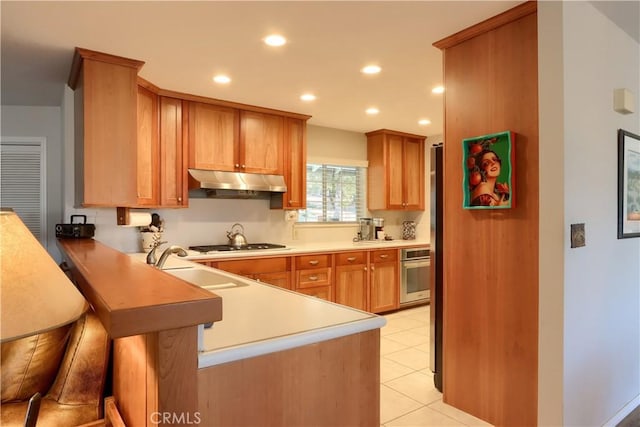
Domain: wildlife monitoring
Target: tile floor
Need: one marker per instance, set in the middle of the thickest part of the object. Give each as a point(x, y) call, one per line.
point(407, 395)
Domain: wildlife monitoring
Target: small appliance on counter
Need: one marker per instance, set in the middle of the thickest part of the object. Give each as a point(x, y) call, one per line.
point(378, 223)
point(76, 230)
point(366, 230)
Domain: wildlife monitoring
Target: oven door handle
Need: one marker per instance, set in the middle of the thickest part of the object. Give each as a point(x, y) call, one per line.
point(416, 264)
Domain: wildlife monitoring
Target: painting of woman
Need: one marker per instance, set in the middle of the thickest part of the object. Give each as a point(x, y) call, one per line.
point(488, 181)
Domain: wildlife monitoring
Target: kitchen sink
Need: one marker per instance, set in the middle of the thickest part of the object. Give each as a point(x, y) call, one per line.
point(206, 279)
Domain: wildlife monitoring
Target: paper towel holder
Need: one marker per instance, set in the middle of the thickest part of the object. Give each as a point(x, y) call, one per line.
point(123, 217)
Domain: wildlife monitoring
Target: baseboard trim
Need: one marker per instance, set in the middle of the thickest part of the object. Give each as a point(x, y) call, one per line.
point(622, 413)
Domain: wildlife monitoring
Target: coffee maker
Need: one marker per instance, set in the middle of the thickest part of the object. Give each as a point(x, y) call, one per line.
point(367, 230)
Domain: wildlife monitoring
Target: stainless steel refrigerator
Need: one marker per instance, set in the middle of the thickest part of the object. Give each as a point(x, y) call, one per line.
point(436, 306)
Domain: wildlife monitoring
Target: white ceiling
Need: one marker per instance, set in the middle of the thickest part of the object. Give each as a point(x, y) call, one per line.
point(185, 43)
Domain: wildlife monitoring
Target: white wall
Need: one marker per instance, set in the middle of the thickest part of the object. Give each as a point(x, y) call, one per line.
point(18, 121)
point(600, 283)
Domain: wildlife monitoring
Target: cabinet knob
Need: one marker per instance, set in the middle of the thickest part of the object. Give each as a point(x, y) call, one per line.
point(290, 202)
point(179, 199)
point(365, 269)
point(373, 267)
point(313, 278)
point(314, 262)
point(243, 166)
point(383, 256)
point(237, 165)
point(351, 259)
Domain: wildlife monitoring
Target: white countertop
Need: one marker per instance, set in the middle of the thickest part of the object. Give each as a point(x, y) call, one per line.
point(302, 248)
point(259, 319)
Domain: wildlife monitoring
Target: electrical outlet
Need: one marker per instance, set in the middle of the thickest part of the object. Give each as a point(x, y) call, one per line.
point(578, 235)
point(291, 215)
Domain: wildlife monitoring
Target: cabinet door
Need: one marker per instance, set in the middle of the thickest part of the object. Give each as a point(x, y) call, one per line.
point(213, 136)
point(395, 173)
point(173, 189)
point(413, 174)
point(281, 279)
point(384, 287)
point(295, 164)
point(147, 187)
point(261, 143)
point(351, 286)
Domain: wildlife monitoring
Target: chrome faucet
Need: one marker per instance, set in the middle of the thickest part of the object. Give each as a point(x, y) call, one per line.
point(170, 250)
point(151, 256)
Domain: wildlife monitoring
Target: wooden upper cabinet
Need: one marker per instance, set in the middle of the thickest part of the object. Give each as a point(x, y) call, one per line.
point(173, 154)
point(295, 166)
point(261, 147)
point(213, 136)
point(106, 107)
point(147, 148)
point(396, 170)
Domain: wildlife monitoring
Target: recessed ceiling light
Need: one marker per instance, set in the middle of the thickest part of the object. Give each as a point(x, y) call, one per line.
point(372, 111)
point(438, 89)
point(424, 122)
point(308, 97)
point(222, 79)
point(371, 69)
point(275, 40)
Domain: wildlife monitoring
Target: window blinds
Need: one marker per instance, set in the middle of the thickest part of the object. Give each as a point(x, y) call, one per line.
point(22, 183)
point(334, 193)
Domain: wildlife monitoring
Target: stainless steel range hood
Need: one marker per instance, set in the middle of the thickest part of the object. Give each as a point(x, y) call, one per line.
point(228, 184)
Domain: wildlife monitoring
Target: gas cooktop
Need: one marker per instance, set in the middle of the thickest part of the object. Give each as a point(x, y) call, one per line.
point(223, 248)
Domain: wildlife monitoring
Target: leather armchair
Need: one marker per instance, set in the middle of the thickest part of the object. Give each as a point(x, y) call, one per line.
point(68, 366)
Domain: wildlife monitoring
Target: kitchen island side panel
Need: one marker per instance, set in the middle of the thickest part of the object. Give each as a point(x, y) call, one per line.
point(335, 382)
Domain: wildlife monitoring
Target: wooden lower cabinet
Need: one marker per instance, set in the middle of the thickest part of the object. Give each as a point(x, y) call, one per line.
point(273, 271)
point(384, 289)
point(352, 279)
point(366, 280)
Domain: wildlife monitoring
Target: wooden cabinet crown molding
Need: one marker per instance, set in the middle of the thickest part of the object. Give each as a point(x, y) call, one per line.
point(82, 54)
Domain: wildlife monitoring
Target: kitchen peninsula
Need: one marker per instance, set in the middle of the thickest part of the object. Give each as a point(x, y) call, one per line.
point(274, 357)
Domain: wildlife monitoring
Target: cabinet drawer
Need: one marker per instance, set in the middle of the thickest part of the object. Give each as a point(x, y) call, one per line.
point(313, 277)
point(254, 265)
point(277, 279)
point(312, 261)
point(351, 258)
point(322, 292)
point(384, 255)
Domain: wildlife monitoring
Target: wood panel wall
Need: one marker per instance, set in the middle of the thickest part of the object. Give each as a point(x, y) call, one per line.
point(490, 351)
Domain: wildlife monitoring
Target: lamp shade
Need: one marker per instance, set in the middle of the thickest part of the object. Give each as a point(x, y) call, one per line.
point(36, 296)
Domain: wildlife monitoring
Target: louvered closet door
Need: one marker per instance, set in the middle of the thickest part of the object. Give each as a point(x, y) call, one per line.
point(22, 184)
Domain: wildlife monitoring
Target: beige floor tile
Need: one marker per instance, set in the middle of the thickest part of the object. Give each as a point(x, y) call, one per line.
point(388, 346)
point(458, 415)
point(390, 370)
point(403, 323)
point(410, 357)
point(423, 347)
point(423, 417)
point(425, 331)
point(389, 329)
point(394, 404)
point(417, 386)
point(408, 338)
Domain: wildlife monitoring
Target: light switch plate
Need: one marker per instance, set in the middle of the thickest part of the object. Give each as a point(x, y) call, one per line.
point(577, 235)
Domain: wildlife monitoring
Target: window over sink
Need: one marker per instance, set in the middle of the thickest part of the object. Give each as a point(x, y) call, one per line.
point(335, 193)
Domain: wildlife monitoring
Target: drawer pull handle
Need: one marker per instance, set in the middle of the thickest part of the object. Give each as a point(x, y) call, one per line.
point(314, 262)
point(351, 259)
point(313, 278)
point(384, 256)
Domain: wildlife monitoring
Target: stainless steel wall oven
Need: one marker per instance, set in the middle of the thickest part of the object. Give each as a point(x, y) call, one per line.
point(414, 285)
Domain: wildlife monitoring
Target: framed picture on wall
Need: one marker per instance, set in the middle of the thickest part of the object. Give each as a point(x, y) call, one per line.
point(488, 177)
point(628, 184)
